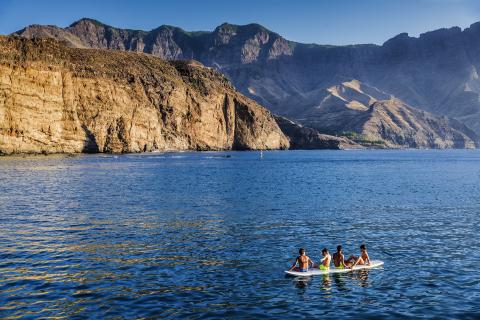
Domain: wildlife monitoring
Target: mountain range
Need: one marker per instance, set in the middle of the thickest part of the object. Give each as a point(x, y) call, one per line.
point(409, 92)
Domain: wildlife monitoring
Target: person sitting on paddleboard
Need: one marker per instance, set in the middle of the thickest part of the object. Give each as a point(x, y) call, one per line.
point(339, 259)
point(325, 262)
point(303, 262)
point(361, 260)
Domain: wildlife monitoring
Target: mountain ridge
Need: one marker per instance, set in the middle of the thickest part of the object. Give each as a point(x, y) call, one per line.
point(402, 35)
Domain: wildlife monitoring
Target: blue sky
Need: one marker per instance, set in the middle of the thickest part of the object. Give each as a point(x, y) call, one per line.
point(320, 21)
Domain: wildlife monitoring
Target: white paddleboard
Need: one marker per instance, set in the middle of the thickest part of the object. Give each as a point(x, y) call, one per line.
point(318, 272)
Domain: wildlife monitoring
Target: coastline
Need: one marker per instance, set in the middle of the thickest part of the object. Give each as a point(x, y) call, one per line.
point(166, 152)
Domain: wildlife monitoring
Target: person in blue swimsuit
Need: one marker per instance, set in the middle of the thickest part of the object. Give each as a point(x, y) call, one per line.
point(302, 263)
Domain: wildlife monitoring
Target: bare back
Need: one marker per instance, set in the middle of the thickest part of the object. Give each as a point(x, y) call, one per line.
point(338, 259)
point(303, 262)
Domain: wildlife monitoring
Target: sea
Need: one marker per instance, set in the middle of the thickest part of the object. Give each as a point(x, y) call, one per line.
point(208, 235)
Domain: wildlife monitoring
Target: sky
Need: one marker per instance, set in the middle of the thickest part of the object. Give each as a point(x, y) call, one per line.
point(335, 22)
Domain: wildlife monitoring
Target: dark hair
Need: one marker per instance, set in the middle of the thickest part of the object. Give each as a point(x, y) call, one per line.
point(324, 250)
point(339, 248)
point(363, 247)
point(301, 251)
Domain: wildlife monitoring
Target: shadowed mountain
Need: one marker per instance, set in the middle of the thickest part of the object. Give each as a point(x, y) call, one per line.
point(307, 138)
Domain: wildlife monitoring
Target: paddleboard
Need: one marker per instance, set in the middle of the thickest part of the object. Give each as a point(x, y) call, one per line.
point(318, 272)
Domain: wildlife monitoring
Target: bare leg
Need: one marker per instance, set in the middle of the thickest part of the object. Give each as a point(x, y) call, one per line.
point(360, 261)
point(351, 259)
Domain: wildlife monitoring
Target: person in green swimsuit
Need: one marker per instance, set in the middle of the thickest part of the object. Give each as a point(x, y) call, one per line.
point(339, 259)
point(325, 261)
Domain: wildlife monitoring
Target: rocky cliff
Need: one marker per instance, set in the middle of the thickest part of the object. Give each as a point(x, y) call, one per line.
point(55, 98)
point(436, 72)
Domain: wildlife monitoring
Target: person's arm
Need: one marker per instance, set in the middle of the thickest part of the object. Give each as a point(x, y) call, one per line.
point(294, 265)
point(310, 262)
point(356, 261)
point(367, 261)
point(321, 261)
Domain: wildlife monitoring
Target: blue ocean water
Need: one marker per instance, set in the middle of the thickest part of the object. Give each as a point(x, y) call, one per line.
point(203, 235)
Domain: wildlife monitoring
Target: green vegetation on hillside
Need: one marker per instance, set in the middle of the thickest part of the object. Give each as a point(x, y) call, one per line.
point(361, 139)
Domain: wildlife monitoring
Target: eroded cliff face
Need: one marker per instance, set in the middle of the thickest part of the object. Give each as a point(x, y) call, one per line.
point(59, 99)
